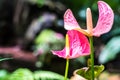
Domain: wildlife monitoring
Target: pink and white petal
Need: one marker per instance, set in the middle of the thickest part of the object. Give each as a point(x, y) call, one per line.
point(79, 44)
point(70, 21)
point(105, 20)
point(61, 53)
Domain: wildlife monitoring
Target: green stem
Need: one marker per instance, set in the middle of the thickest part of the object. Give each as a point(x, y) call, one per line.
point(66, 69)
point(92, 56)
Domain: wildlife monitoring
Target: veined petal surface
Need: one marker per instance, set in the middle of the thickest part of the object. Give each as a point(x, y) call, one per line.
point(105, 20)
point(70, 21)
point(79, 46)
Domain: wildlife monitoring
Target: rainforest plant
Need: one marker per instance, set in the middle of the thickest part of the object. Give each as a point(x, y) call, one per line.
point(76, 42)
point(76, 45)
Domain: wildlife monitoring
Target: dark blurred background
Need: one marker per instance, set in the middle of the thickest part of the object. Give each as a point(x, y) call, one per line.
point(29, 29)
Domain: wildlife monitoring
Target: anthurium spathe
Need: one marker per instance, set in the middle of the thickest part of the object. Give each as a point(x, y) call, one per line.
point(104, 23)
point(76, 45)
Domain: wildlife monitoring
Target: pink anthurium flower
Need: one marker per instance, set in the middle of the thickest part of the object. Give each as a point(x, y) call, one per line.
point(104, 24)
point(76, 45)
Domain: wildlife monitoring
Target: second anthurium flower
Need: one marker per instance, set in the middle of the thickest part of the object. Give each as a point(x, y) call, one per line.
point(76, 45)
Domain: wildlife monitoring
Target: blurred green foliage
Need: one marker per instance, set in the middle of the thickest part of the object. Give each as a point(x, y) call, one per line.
point(3, 74)
point(21, 74)
point(45, 41)
point(111, 50)
point(47, 75)
point(38, 2)
point(26, 74)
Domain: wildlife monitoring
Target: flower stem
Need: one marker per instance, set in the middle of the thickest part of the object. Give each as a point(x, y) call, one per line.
point(92, 56)
point(66, 69)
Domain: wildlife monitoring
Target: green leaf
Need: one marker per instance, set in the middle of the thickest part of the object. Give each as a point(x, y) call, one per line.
point(82, 72)
point(3, 74)
point(2, 59)
point(44, 36)
point(98, 70)
point(21, 74)
point(40, 2)
point(110, 51)
point(86, 71)
point(47, 75)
